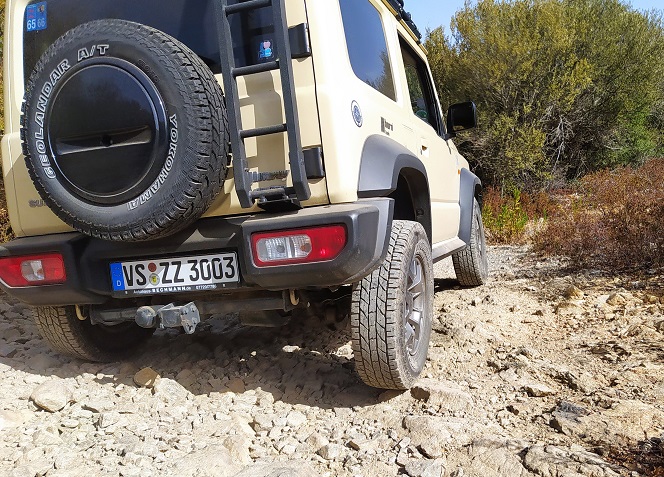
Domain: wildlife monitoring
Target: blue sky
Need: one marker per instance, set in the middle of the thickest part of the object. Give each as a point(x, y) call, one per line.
point(433, 13)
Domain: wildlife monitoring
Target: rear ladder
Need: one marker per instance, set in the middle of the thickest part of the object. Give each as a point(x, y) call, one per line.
point(268, 198)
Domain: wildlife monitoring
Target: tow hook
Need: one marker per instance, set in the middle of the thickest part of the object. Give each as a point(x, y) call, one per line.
point(169, 316)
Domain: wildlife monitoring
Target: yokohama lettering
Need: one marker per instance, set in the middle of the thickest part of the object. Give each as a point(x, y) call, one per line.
point(165, 171)
point(42, 104)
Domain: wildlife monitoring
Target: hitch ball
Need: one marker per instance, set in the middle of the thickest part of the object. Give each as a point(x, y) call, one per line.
point(146, 317)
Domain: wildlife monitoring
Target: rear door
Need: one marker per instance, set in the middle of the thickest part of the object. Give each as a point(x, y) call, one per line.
point(434, 151)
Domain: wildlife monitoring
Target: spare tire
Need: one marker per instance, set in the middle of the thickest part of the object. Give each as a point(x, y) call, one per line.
point(125, 131)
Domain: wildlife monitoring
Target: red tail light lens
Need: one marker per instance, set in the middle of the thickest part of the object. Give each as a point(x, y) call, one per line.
point(33, 270)
point(287, 247)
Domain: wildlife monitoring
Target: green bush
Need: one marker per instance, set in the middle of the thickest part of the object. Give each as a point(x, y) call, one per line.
point(510, 217)
point(563, 87)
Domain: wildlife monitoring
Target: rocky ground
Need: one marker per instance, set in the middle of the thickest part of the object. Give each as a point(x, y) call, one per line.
point(539, 373)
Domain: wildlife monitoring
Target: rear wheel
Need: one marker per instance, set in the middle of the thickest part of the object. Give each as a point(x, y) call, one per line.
point(392, 311)
point(68, 334)
point(471, 265)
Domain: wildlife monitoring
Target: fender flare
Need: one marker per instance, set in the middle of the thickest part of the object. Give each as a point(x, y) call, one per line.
point(470, 187)
point(383, 161)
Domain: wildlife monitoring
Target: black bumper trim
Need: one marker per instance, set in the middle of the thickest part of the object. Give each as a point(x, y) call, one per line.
point(368, 223)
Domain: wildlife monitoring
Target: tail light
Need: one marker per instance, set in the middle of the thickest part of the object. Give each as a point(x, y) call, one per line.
point(33, 270)
point(287, 247)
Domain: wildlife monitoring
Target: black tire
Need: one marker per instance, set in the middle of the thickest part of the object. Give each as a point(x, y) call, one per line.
point(124, 131)
point(383, 307)
point(69, 335)
point(471, 265)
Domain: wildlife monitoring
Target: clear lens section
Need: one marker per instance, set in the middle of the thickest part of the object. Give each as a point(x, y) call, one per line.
point(33, 270)
point(283, 248)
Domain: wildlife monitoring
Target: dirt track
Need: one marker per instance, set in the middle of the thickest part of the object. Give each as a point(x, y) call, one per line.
point(539, 373)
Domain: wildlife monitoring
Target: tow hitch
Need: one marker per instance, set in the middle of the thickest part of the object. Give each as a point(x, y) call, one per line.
point(169, 316)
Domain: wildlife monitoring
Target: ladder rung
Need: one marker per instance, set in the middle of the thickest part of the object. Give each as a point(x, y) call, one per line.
point(268, 176)
point(268, 192)
point(253, 69)
point(250, 5)
point(279, 128)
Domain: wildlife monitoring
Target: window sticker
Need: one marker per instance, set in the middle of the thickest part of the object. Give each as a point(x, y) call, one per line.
point(265, 51)
point(35, 17)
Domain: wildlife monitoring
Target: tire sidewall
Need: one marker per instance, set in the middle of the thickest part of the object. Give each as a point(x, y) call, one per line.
point(71, 53)
point(418, 246)
point(479, 243)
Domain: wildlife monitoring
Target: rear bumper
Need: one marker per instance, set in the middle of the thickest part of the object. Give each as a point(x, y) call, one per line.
point(87, 260)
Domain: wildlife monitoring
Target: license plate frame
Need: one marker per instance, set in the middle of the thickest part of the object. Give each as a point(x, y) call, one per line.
point(194, 273)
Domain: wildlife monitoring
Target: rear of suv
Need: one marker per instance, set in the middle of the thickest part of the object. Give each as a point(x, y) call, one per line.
point(168, 161)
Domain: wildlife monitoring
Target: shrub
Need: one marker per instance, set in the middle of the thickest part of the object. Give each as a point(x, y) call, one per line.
point(557, 95)
point(509, 217)
point(614, 220)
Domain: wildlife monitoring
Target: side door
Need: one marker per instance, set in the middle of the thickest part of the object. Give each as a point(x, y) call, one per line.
point(434, 151)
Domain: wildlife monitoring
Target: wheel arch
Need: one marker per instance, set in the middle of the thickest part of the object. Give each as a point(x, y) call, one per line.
point(388, 169)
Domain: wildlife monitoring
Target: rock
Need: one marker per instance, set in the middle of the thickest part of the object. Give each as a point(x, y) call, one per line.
point(10, 419)
point(280, 469)
point(616, 299)
point(236, 385)
point(146, 378)
point(7, 350)
point(360, 444)
point(538, 390)
point(170, 391)
point(330, 451)
point(42, 362)
point(316, 441)
point(552, 461)
point(625, 424)
point(213, 461)
point(48, 436)
point(444, 394)
point(295, 419)
point(52, 396)
point(573, 293)
point(566, 417)
point(539, 312)
point(238, 447)
point(430, 431)
point(494, 457)
point(432, 448)
point(66, 460)
point(425, 468)
point(263, 422)
point(567, 308)
point(651, 299)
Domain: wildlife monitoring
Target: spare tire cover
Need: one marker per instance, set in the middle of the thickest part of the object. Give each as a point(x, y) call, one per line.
point(124, 131)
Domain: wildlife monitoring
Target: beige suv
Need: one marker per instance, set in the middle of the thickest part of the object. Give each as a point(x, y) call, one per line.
point(168, 161)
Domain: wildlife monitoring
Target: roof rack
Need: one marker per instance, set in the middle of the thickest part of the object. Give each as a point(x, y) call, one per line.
point(397, 7)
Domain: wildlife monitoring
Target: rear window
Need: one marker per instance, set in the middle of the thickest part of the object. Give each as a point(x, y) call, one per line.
point(367, 47)
point(190, 21)
point(253, 37)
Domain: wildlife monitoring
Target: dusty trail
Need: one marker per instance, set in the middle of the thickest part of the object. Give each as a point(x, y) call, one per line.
point(538, 373)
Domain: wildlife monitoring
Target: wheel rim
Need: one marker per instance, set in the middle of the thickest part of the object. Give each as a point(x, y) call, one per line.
point(415, 303)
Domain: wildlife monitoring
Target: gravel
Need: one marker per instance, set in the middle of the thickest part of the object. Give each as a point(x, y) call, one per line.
point(541, 372)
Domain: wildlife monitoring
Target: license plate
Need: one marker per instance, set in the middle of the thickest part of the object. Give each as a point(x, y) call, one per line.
point(175, 275)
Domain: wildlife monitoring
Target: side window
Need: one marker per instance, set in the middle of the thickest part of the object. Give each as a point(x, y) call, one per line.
point(420, 88)
point(367, 47)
